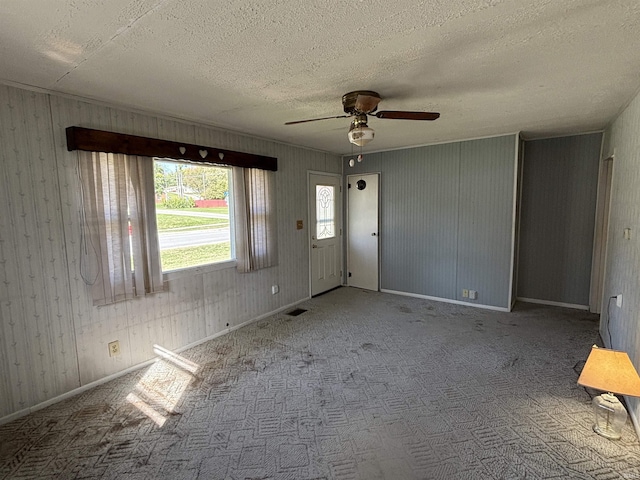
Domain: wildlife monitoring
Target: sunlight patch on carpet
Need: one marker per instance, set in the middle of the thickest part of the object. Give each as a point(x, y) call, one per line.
point(160, 389)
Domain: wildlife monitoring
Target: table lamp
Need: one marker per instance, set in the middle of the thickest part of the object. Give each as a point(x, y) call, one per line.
point(610, 371)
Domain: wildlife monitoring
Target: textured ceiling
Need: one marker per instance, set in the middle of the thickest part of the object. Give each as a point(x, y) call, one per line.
point(544, 67)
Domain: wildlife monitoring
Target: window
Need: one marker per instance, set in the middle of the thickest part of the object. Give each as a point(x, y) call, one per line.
point(325, 221)
point(141, 216)
point(193, 211)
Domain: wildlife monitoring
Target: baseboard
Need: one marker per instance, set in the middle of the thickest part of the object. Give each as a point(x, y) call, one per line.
point(447, 300)
point(76, 391)
point(553, 304)
point(231, 329)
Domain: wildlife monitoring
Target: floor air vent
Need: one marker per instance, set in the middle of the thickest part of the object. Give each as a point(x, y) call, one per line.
point(295, 312)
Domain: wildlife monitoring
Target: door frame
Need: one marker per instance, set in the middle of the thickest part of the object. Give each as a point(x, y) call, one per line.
point(339, 224)
point(601, 233)
point(347, 236)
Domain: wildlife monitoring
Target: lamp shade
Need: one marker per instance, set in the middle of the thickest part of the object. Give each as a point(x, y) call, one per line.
point(361, 135)
point(610, 371)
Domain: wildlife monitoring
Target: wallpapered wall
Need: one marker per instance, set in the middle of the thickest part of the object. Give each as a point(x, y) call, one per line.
point(52, 339)
point(623, 256)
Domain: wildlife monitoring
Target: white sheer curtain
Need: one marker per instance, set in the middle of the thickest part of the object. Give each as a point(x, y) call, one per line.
point(255, 218)
point(120, 254)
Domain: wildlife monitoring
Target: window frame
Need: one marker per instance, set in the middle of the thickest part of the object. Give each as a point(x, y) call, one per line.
point(192, 270)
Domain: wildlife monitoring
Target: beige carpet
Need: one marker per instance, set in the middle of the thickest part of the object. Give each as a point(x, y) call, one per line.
point(363, 385)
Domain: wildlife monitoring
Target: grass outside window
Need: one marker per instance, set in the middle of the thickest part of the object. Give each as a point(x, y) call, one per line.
point(177, 258)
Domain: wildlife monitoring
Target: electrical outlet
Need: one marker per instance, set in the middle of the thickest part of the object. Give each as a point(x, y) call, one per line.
point(465, 293)
point(114, 349)
point(619, 300)
point(473, 295)
point(274, 289)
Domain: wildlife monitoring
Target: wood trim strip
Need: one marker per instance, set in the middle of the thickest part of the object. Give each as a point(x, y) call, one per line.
point(79, 138)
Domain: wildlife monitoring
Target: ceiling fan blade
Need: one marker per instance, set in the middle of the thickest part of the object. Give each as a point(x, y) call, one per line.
point(366, 103)
point(399, 115)
point(316, 119)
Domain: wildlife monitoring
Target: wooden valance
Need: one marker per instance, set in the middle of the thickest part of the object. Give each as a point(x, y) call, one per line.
point(89, 140)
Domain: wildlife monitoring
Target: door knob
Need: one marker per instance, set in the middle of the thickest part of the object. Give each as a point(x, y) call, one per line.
point(314, 246)
point(374, 234)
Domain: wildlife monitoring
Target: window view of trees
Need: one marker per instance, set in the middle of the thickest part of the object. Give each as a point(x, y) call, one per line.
point(192, 210)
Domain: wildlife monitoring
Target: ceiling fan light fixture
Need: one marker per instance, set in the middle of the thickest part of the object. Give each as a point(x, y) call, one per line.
point(360, 104)
point(361, 135)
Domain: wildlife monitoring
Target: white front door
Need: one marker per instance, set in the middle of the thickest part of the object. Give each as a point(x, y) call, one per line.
point(325, 232)
point(362, 231)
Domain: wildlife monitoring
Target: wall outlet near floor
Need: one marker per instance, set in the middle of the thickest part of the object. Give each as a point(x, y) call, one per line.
point(274, 289)
point(619, 300)
point(465, 293)
point(114, 349)
point(473, 295)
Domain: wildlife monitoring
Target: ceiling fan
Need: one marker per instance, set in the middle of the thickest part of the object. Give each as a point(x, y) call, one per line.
point(361, 103)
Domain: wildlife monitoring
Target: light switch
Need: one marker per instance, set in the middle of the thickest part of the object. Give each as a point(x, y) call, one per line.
point(299, 225)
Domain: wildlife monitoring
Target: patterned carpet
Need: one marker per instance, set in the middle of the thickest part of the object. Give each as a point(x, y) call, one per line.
point(363, 385)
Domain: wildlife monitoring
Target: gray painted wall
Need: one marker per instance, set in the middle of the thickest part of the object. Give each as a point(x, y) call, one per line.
point(446, 218)
point(486, 218)
point(559, 190)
